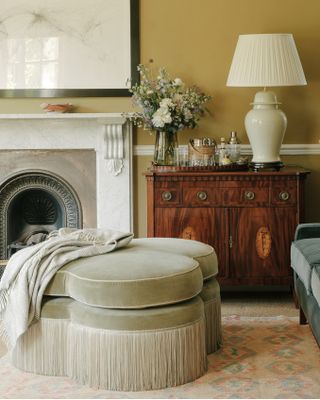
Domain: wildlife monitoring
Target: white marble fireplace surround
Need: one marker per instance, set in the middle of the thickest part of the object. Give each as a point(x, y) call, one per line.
point(109, 135)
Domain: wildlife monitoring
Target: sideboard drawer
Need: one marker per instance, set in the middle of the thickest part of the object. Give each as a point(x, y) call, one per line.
point(284, 194)
point(246, 196)
point(201, 197)
point(168, 196)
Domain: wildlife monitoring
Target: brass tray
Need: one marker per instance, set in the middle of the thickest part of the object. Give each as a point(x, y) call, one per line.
point(214, 168)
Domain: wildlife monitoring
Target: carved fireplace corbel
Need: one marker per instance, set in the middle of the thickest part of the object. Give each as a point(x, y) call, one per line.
point(114, 145)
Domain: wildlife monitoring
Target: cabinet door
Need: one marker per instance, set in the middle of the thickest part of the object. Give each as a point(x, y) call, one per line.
point(207, 225)
point(260, 250)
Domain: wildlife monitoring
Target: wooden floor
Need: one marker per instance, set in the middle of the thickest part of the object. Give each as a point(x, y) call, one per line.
point(258, 304)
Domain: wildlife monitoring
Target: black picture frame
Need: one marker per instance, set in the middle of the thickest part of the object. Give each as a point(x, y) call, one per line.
point(73, 92)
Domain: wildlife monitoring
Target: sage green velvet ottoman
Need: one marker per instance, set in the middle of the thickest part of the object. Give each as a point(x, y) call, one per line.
point(134, 319)
point(208, 262)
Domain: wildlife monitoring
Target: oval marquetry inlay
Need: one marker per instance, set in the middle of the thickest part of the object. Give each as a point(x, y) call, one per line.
point(263, 242)
point(188, 233)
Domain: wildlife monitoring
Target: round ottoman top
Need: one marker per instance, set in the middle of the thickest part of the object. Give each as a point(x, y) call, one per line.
point(131, 277)
point(201, 252)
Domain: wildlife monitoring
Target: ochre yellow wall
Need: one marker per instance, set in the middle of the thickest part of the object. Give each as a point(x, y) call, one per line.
point(195, 40)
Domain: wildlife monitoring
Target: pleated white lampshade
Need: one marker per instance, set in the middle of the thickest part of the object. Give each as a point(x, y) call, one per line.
point(266, 60)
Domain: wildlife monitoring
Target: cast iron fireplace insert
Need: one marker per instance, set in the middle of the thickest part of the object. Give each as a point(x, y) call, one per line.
point(32, 205)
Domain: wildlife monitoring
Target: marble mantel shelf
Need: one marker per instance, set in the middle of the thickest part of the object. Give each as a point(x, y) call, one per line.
point(108, 134)
point(100, 118)
point(108, 117)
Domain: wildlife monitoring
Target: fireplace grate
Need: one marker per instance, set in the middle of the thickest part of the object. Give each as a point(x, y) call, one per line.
point(39, 209)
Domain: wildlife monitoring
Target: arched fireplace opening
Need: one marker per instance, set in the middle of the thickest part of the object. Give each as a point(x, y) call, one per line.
point(32, 205)
point(32, 215)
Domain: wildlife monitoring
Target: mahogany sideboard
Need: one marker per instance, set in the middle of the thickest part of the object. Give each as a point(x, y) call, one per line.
point(248, 217)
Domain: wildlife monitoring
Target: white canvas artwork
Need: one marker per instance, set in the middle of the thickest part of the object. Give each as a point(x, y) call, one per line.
point(65, 44)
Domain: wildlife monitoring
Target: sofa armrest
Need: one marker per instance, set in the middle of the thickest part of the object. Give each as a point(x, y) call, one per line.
point(307, 231)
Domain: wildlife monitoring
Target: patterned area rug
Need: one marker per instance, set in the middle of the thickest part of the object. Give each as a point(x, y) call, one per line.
point(269, 357)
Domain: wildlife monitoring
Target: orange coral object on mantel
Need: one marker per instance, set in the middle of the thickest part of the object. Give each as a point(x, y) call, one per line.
point(58, 108)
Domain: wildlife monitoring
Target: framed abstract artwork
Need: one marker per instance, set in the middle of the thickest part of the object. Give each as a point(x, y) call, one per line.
point(59, 48)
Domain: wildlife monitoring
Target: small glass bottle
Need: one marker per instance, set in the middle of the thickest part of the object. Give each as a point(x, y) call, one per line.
point(222, 151)
point(234, 147)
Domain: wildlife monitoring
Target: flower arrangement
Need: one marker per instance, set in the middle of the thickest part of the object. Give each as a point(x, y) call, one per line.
point(167, 104)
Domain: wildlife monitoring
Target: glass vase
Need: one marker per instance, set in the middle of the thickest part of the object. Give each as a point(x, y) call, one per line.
point(166, 151)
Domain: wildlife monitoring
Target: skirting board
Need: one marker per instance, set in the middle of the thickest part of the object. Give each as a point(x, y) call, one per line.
point(286, 149)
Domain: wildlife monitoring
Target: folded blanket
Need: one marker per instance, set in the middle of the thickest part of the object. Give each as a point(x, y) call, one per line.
point(29, 271)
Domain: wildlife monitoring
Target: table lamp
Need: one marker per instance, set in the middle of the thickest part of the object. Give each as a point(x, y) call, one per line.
point(266, 60)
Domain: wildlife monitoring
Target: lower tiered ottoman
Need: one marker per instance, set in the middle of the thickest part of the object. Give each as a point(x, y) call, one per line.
point(134, 319)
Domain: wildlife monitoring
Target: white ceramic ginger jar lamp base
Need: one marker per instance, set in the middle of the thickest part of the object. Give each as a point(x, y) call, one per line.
point(265, 125)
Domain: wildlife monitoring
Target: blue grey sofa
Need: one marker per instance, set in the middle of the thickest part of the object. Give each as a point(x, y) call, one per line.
point(305, 261)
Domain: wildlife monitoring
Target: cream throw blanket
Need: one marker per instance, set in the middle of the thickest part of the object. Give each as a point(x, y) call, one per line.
point(30, 270)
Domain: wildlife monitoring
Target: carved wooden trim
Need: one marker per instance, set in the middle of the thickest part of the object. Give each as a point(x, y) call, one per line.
point(282, 176)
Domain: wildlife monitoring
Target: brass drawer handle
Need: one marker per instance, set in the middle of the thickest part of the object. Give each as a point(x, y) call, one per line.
point(249, 195)
point(166, 196)
point(284, 196)
point(202, 196)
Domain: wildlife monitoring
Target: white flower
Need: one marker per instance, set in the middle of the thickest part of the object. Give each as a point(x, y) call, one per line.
point(177, 98)
point(150, 92)
point(177, 82)
point(161, 117)
point(166, 103)
point(187, 114)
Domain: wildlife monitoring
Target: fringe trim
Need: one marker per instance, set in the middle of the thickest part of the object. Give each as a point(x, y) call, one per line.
point(43, 349)
point(212, 311)
point(114, 360)
point(4, 334)
point(3, 299)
